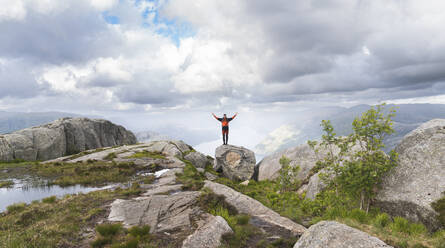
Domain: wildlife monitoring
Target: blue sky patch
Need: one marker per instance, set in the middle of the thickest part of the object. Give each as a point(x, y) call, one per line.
point(110, 18)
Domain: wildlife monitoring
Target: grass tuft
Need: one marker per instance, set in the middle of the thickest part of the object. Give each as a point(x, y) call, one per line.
point(15, 208)
point(147, 154)
point(439, 207)
point(109, 230)
point(110, 156)
point(6, 184)
point(137, 231)
point(191, 178)
point(382, 220)
point(51, 199)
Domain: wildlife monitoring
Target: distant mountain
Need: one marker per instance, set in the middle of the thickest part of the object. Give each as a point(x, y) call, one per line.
point(148, 136)
point(408, 117)
point(13, 121)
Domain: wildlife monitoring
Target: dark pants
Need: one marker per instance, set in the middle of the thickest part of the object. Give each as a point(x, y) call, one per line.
point(225, 134)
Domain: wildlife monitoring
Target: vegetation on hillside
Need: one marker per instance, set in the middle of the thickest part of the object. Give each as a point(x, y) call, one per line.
point(56, 222)
point(355, 164)
point(352, 175)
point(89, 173)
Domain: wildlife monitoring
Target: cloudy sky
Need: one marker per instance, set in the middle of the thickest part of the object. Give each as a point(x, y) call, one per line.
point(165, 65)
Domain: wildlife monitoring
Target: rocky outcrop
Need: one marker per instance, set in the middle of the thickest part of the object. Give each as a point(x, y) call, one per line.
point(236, 163)
point(314, 186)
point(160, 212)
point(62, 137)
point(174, 148)
point(198, 159)
point(262, 216)
point(302, 155)
point(419, 179)
point(331, 234)
point(208, 235)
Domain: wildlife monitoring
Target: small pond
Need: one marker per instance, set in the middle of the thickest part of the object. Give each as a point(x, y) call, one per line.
point(22, 191)
point(28, 189)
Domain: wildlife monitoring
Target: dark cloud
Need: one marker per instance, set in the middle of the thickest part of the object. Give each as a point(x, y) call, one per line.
point(255, 52)
point(73, 34)
point(17, 80)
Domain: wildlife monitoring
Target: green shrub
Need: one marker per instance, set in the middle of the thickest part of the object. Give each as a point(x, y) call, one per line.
point(357, 174)
point(382, 220)
point(439, 238)
point(132, 243)
point(137, 231)
point(15, 208)
point(400, 225)
point(288, 175)
point(439, 207)
point(108, 230)
point(101, 242)
point(110, 156)
point(417, 228)
point(242, 219)
point(402, 244)
point(359, 215)
point(50, 199)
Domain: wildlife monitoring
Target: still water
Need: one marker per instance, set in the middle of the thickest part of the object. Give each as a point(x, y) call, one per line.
point(23, 192)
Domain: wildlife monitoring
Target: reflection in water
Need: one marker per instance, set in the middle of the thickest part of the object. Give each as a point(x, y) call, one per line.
point(28, 192)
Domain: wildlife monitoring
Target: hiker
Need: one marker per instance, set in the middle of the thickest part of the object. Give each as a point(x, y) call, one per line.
point(225, 126)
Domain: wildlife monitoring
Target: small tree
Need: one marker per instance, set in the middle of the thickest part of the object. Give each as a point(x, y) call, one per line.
point(358, 173)
point(288, 175)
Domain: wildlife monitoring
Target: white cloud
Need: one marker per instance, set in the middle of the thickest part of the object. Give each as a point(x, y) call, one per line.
point(12, 10)
point(103, 4)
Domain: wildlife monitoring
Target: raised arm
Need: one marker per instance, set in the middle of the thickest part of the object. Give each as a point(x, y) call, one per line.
point(233, 117)
point(215, 116)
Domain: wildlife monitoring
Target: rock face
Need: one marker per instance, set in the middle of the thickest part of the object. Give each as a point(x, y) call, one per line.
point(160, 212)
point(262, 216)
point(208, 235)
point(315, 186)
point(62, 137)
point(237, 163)
point(198, 159)
point(419, 179)
point(331, 234)
point(301, 155)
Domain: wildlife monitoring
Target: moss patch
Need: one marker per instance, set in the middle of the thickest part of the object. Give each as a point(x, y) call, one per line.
point(91, 173)
point(147, 154)
point(191, 178)
point(110, 156)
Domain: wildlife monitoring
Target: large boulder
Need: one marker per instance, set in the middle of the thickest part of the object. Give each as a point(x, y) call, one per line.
point(331, 234)
point(161, 212)
point(236, 163)
point(62, 137)
point(419, 179)
point(302, 155)
point(198, 159)
point(262, 216)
